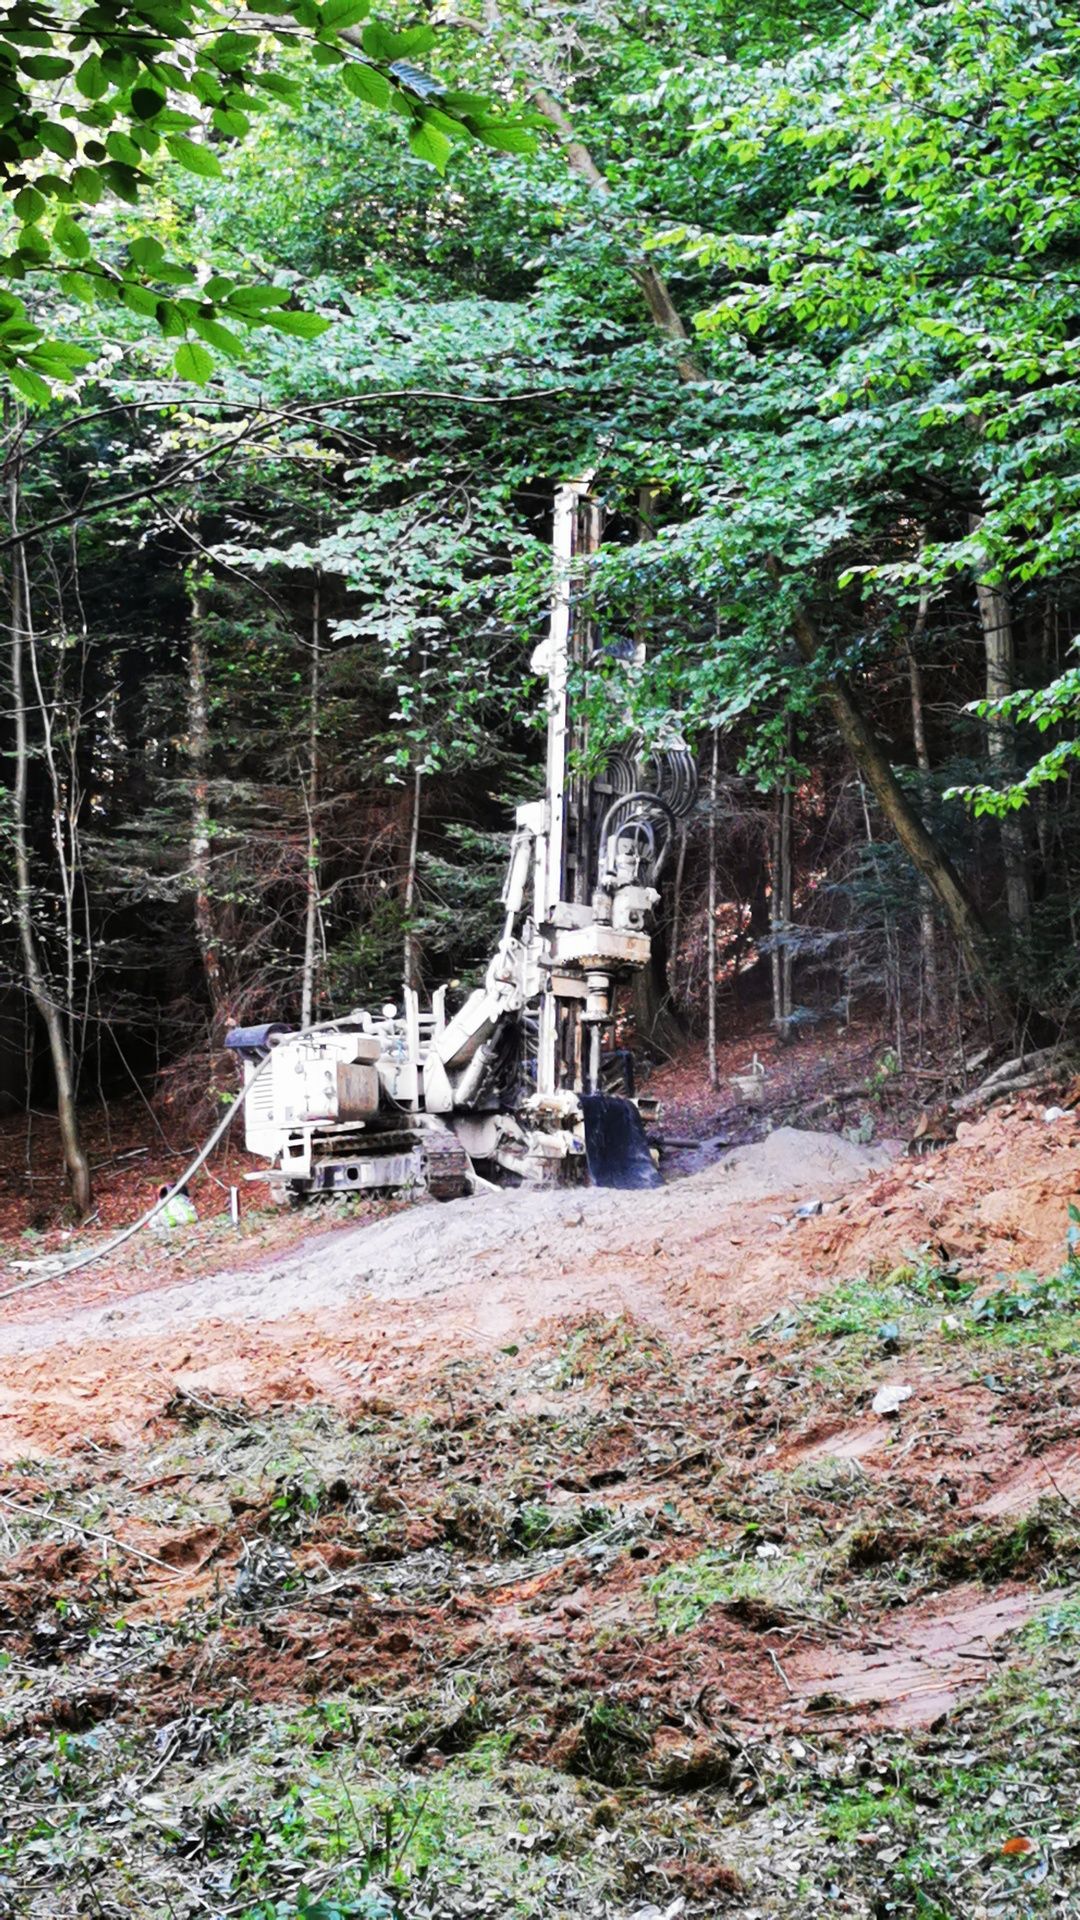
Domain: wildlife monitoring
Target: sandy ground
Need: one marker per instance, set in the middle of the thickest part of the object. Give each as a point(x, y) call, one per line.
point(430, 1279)
point(704, 1257)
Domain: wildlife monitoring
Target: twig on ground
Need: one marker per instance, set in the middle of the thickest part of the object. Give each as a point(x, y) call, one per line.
point(91, 1533)
point(780, 1671)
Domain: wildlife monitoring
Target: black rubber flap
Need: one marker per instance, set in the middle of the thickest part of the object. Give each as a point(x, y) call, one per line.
point(253, 1040)
point(615, 1144)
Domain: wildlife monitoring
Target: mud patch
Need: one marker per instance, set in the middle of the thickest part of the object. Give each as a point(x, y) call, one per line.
point(917, 1669)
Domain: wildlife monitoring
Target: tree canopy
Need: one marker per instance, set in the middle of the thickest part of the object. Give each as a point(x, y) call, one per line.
point(289, 405)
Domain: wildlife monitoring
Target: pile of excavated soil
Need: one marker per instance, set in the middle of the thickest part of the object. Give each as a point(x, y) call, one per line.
point(997, 1200)
point(417, 1287)
point(347, 1311)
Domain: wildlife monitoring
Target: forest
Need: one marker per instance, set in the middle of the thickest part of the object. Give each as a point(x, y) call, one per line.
point(308, 311)
point(802, 300)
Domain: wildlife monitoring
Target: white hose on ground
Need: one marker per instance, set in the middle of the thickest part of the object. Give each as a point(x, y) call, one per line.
point(56, 1269)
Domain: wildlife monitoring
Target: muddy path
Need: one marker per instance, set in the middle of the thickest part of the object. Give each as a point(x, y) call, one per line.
point(712, 1550)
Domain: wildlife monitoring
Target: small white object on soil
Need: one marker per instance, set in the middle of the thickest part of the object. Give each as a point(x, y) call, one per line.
point(890, 1398)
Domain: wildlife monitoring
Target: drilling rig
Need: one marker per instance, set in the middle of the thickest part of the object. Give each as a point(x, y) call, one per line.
point(522, 1085)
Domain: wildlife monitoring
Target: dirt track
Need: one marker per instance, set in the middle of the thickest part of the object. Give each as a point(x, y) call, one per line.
point(699, 1259)
point(428, 1282)
point(595, 1476)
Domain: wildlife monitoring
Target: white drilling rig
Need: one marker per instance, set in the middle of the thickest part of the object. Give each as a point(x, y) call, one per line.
point(517, 1086)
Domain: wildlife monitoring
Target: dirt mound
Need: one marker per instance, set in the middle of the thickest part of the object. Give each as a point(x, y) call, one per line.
point(792, 1160)
point(996, 1199)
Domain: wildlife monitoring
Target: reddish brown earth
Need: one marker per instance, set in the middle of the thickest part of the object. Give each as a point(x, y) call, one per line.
point(566, 1349)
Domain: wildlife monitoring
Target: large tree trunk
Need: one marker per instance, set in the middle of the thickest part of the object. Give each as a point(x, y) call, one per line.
point(51, 1016)
point(995, 612)
point(918, 843)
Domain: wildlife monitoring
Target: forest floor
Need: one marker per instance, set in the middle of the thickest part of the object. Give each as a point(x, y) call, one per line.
point(711, 1550)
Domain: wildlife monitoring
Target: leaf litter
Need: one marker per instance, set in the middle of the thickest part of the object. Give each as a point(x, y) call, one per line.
point(598, 1619)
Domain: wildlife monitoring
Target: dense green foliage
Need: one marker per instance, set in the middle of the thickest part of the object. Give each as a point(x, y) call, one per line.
point(90, 104)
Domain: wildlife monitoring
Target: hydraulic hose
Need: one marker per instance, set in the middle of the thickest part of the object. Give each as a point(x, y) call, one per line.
point(58, 1269)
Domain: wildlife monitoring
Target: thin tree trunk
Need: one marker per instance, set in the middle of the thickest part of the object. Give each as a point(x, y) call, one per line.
point(411, 953)
point(995, 612)
point(775, 915)
point(206, 932)
point(75, 1160)
point(714, 1077)
point(918, 843)
point(63, 828)
point(676, 901)
point(311, 915)
point(787, 896)
point(927, 928)
point(894, 991)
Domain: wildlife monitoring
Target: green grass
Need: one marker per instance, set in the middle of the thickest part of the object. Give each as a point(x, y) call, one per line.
point(683, 1593)
point(924, 1297)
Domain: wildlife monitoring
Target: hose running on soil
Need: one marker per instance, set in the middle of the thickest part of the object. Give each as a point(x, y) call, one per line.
point(58, 1269)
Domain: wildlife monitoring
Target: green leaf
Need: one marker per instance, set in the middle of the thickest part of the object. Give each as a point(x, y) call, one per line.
point(197, 159)
point(382, 43)
point(257, 299)
point(70, 237)
point(192, 362)
point(29, 205)
point(339, 14)
point(305, 326)
point(32, 242)
point(279, 86)
point(92, 79)
point(475, 104)
point(231, 122)
point(45, 66)
point(58, 359)
point(123, 181)
point(119, 147)
point(367, 84)
point(147, 103)
point(170, 320)
point(429, 143)
point(140, 299)
point(506, 138)
point(217, 335)
point(86, 185)
point(78, 287)
point(146, 252)
point(58, 140)
point(30, 385)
